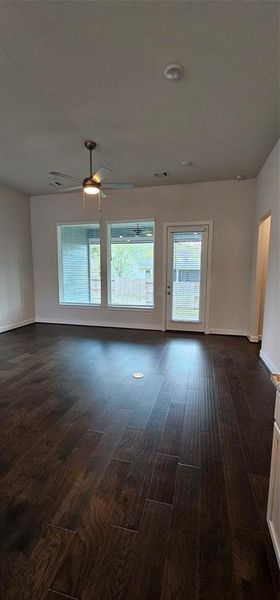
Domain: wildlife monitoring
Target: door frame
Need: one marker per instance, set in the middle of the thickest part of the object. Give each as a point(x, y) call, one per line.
point(208, 224)
point(254, 335)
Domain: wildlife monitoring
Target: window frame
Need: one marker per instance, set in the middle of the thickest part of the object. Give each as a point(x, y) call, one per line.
point(95, 305)
point(135, 307)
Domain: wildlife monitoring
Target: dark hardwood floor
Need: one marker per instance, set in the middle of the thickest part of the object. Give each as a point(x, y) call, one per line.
point(116, 488)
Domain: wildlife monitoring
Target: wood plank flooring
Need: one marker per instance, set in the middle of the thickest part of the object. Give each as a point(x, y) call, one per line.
point(124, 489)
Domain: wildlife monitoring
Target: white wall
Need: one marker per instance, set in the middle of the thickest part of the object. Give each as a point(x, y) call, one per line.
point(229, 203)
point(16, 278)
point(268, 201)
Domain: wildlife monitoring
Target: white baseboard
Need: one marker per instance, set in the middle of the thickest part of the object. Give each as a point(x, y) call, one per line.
point(228, 331)
point(4, 328)
point(114, 325)
point(130, 326)
point(271, 367)
point(98, 324)
point(254, 338)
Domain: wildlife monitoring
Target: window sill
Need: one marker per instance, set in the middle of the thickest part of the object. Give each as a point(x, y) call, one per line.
point(106, 307)
point(129, 307)
point(74, 305)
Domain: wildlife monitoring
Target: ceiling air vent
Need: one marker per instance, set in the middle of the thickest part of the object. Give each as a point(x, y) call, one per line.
point(161, 174)
point(55, 183)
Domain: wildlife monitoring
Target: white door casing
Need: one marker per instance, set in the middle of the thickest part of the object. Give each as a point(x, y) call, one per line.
point(188, 276)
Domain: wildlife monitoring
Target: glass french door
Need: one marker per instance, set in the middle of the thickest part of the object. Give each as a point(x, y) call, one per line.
point(187, 249)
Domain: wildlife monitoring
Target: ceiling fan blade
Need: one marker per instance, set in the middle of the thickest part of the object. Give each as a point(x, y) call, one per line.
point(63, 176)
point(101, 174)
point(71, 189)
point(117, 186)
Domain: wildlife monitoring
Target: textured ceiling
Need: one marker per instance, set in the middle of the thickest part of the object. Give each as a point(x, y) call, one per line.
point(76, 70)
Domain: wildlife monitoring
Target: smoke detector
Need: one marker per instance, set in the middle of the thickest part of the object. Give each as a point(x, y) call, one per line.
point(173, 72)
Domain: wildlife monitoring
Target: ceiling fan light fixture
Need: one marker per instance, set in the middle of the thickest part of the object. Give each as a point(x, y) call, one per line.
point(90, 187)
point(91, 190)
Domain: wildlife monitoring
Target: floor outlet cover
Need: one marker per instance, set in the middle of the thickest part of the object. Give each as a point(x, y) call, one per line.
point(138, 375)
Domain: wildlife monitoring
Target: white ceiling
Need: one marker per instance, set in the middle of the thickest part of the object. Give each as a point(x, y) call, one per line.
point(76, 70)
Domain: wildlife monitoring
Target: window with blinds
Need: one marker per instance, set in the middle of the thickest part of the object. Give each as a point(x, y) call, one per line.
point(79, 264)
point(187, 255)
point(131, 264)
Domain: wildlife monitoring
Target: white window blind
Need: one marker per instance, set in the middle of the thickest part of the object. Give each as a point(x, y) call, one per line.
point(79, 264)
point(131, 264)
point(187, 255)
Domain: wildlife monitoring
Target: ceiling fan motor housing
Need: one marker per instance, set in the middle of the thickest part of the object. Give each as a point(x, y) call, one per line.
point(89, 182)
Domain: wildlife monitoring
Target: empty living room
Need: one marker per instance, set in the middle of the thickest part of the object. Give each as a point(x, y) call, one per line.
point(139, 299)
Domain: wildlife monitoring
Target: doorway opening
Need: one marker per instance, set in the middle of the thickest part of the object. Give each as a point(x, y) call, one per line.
point(262, 266)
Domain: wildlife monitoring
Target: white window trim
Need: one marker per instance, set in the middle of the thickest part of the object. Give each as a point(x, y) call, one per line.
point(108, 266)
point(59, 266)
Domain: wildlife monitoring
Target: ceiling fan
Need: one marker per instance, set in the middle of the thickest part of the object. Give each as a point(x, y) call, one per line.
point(91, 185)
